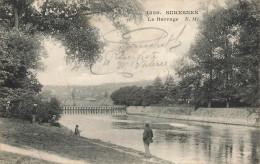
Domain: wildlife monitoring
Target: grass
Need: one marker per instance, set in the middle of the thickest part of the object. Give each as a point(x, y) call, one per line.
point(61, 141)
point(9, 158)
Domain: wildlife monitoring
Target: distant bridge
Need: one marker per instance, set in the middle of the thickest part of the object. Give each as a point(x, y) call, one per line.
point(94, 110)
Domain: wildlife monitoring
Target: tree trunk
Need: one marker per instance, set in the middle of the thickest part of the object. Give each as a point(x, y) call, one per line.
point(227, 104)
point(228, 71)
point(210, 76)
point(210, 89)
point(16, 17)
point(209, 104)
point(196, 95)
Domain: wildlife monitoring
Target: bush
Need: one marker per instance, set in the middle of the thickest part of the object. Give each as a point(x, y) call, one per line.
point(43, 114)
point(46, 110)
point(20, 103)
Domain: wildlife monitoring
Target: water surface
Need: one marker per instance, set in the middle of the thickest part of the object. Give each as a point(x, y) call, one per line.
point(175, 140)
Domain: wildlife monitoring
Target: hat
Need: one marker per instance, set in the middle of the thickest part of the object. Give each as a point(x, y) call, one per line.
point(146, 124)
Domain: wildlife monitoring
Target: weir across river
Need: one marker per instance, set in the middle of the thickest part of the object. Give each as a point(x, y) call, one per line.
point(94, 110)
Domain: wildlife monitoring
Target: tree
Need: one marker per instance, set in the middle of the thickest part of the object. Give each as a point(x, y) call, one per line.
point(73, 95)
point(158, 90)
point(192, 80)
point(46, 110)
point(225, 55)
point(46, 95)
point(106, 94)
point(246, 48)
point(169, 87)
point(69, 22)
point(148, 96)
point(25, 23)
point(19, 57)
point(129, 95)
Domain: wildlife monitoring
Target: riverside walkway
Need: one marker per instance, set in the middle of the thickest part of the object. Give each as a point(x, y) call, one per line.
point(37, 154)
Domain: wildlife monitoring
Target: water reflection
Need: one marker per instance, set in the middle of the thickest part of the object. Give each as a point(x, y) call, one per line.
point(175, 140)
point(255, 149)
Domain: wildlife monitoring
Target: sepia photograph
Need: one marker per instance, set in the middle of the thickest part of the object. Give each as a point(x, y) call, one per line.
point(129, 82)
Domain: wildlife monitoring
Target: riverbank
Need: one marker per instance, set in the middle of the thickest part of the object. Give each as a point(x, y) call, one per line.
point(62, 143)
point(232, 116)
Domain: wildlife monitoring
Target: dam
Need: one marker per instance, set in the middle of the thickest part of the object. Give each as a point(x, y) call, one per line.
point(84, 110)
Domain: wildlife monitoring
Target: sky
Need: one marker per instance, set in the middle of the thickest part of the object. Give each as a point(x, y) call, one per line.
point(139, 62)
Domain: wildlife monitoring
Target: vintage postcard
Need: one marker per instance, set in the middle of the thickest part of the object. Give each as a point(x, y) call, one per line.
point(129, 81)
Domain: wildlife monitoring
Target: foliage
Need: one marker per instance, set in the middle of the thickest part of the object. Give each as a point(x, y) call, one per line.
point(73, 94)
point(22, 105)
point(130, 95)
point(20, 102)
point(46, 95)
point(20, 55)
point(158, 93)
point(157, 90)
point(225, 57)
point(46, 110)
point(23, 26)
point(169, 85)
point(69, 22)
point(222, 65)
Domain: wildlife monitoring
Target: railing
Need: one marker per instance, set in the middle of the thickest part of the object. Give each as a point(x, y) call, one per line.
point(94, 110)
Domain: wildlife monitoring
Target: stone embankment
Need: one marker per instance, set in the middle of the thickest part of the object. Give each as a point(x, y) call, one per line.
point(234, 116)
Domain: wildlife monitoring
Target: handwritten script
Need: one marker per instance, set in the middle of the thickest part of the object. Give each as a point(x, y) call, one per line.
point(136, 50)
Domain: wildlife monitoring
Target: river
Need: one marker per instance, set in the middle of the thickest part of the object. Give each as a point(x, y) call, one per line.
point(174, 140)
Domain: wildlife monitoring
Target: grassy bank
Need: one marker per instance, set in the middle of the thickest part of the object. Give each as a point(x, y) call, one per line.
point(234, 116)
point(62, 142)
point(9, 158)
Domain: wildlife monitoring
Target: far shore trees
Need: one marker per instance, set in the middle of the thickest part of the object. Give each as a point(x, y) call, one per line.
point(224, 58)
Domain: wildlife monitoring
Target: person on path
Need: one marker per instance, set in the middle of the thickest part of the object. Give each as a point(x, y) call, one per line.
point(147, 139)
point(77, 132)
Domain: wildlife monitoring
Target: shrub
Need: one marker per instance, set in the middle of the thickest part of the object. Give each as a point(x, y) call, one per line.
point(20, 103)
point(46, 110)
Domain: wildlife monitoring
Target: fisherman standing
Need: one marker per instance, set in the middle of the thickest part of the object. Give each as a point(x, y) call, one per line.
point(147, 139)
point(77, 132)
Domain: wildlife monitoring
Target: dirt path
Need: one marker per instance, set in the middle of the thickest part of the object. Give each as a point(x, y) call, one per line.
point(58, 159)
point(39, 154)
point(132, 153)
